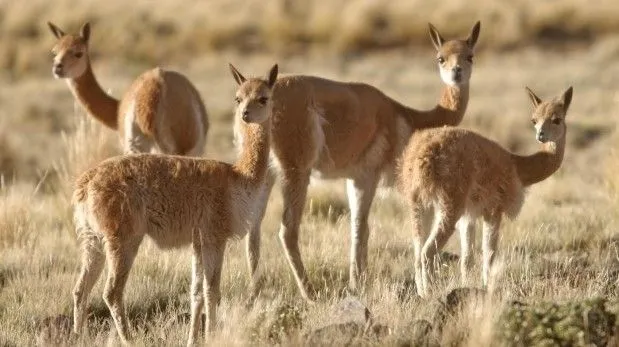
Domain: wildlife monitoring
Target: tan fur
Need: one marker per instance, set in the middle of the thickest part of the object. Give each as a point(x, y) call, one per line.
point(353, 131)
point(161, 111)
point(176, 201)
point(462, 175)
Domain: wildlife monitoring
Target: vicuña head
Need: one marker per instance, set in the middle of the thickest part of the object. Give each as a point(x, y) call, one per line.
point(70, 52)
point(175, 201)
point(549, 116)
point(460, 176)
point(455, 57)
point(253, 97)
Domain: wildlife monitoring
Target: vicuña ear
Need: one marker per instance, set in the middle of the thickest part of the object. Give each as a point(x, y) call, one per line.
point(566, 98)
point(56, 31)
point(472, 39)
point(534, 98)
point(273, 75)
point(238, 77)
point(437, 39)
point(85, 31)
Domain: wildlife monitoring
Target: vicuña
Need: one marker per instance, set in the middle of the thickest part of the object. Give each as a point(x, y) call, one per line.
point(161, 112)
point(462, 175)
point(176, 201)
point(352, 131)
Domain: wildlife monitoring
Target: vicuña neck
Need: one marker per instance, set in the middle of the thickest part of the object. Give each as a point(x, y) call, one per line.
point(253, 161)
point(96, 101)
point(539, 166)
point(449, 111)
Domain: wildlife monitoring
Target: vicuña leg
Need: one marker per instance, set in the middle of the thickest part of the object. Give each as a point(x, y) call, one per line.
point(444, 227)
point(361, 192)
point(294, 191)
point(490, 240)
point(419, 238)
point(252, 246)
point(93, 260)
point(212, 260)
point(120, 258)
point(197, 290)
point(467, 240)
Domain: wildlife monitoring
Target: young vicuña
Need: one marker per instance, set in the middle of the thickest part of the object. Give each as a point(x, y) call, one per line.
point(176, 201)
point(352, 131)
point(462, 176)
point(160, 112)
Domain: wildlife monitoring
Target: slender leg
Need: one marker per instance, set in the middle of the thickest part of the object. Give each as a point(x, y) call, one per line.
point(445, 225)
point(197, 290)
point(93, 260)
point(360, 195)
point(212, 260)
point(294, 191)
point(490, 240)
point(467, 239)
point(419, 236)
point(120, 257)
point(427, 215)
point(253, 237)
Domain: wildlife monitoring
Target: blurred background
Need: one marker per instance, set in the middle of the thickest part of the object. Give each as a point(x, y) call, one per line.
point(168, 31)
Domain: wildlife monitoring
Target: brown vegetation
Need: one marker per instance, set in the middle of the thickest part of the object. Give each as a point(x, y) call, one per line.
point(151, 34)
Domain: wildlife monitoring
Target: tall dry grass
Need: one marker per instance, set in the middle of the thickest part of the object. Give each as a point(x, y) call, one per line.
point(88, 145)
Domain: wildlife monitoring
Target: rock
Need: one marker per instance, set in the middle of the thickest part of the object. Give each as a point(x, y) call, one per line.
point(335, 334)
point(349, 321)
point(351, 309)
point(458, 297)
point(455, 300)
point(346, 334)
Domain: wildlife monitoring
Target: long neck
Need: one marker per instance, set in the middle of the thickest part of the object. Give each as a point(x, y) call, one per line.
point(449, 111)
point(253, 161)
point(539, 166)
point(96, 101)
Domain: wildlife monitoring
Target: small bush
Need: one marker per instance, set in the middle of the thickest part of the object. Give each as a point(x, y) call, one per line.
point(581, 323)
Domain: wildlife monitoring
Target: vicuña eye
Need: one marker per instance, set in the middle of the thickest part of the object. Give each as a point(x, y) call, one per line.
point(78, 54)
point(441, 60)
point(556, 121)
point(469, 58)
point(533, 121)
point(237, 100)
point(263, 100)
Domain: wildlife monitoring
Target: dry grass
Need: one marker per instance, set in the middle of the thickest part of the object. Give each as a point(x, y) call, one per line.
point(90, 143)
point(563, 247)
point(173, 32)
